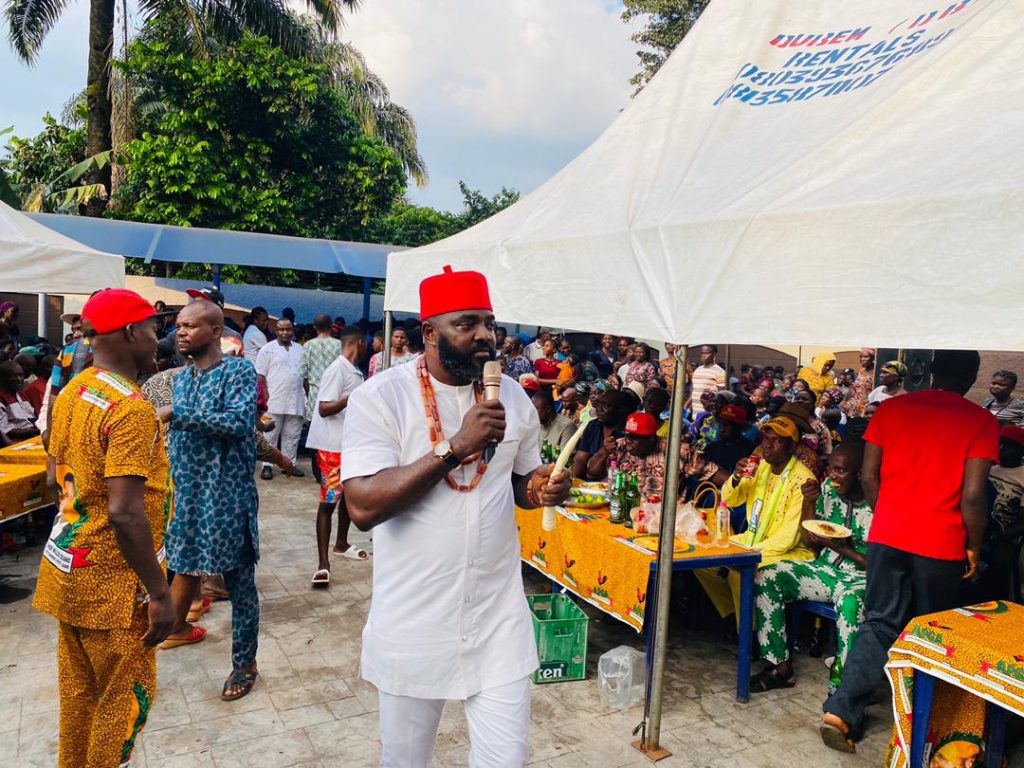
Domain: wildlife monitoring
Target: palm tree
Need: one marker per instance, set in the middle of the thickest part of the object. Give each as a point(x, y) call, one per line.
point(370, 102)
point(29, 21)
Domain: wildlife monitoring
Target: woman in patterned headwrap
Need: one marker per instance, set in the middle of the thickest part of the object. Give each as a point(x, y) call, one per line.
point(893, 374)
point(857, 402)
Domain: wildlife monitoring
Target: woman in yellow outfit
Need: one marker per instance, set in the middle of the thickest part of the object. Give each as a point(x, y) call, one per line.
point(774, 501)
point(818, 374)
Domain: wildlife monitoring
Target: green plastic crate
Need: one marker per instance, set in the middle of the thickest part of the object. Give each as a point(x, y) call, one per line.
point(560, 629)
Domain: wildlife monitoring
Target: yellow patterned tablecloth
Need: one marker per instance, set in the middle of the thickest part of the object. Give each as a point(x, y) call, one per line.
point(977, 655)
point(608, 565)
point(29, 451)
point(23, 489)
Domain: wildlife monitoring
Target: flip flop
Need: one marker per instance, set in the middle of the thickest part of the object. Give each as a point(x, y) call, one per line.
point(195, 635)
point(321, 578)
point(243, 680)
point(770, 680)
point(354, 553)
point(194, 616)
point(835, 734)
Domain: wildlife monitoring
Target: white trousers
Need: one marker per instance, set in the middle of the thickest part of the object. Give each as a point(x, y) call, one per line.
point(499, 721)
point(289, 429)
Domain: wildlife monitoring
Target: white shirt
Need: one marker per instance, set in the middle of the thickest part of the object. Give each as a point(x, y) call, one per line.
point(282, 367)
point(252, 342)
point(448, 617)
point(879, 395)
point(533, 351)
point(340, 379)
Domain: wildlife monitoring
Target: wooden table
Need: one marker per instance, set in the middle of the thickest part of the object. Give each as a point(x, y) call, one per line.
point(615, 570)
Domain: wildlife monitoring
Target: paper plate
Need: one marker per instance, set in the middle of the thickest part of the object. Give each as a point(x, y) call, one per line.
point(827, 530)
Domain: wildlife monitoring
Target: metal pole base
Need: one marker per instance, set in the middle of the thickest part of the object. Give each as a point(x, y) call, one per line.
point(654, 754)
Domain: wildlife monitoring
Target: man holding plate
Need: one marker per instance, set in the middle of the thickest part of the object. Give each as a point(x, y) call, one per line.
point(836, 520)
point(437, 470)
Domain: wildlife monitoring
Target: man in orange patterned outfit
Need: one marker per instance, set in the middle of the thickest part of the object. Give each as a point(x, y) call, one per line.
point(101, 575)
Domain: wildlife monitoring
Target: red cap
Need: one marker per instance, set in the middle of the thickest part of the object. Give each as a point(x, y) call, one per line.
point(641, 424)
point(452, 292)
point(736, 414)
point(529, 382)
point(113, 309)
point(1013, 432)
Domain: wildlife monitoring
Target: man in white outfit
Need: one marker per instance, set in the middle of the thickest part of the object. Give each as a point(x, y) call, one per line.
point(253, 340)
point(279, 366)
point(448, 617)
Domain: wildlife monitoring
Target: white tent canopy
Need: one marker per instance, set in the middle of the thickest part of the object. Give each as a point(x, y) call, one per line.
point(35, 259)
point(814, 172)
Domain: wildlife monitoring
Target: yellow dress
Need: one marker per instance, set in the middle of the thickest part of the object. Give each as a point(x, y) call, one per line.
point(813, 375)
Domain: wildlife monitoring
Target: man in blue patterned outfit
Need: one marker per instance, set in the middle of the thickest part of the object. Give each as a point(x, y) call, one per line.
point(213, 461)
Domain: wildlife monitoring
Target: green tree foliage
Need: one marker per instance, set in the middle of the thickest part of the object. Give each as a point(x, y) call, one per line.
point(414, 225)
point(667, 23)
point(34, 161)
point(197, 21)
point(255, 139)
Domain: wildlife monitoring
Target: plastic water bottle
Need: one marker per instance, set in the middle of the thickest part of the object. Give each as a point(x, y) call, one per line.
point(722, 533)
point(613, 471)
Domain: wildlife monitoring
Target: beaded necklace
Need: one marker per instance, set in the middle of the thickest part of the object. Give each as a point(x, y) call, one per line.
point(437, 432)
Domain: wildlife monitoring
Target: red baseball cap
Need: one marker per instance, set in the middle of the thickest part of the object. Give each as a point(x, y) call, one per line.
point(641, 424)
point(113, 309)
point(736, 414)
point(1014, 433)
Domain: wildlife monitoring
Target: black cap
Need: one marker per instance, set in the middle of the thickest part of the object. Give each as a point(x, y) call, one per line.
point(210, 294)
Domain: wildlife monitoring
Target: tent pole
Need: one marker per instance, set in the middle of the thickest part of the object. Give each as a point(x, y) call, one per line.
point(650, 745)
point(41, 315)
point(728, 366)
point(367, 288)
point(389, 321)
point(216, 276)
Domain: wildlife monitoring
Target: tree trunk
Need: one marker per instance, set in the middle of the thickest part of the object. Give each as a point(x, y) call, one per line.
point(97, 92)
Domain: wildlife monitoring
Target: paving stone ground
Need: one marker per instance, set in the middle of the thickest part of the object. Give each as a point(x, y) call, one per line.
point(310, 707)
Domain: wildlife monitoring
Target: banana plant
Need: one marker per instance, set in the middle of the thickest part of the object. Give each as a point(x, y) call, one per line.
point(54, 197)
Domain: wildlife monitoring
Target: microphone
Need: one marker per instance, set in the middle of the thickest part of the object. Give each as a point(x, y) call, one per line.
point(492, 391)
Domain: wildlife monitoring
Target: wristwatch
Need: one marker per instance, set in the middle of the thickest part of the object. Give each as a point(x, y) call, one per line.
point(443, 451)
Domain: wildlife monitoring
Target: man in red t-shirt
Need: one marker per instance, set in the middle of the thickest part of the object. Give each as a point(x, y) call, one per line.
point(926, 463)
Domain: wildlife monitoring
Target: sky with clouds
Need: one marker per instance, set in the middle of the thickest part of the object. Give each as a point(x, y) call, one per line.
point(504, 93)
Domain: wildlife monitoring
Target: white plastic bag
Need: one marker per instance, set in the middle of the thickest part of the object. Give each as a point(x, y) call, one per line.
point(622, 676)
point(689, 523)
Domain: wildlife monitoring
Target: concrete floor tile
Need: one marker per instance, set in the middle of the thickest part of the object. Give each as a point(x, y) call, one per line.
point(301, 717)
point(276, 751)
point(310, 709)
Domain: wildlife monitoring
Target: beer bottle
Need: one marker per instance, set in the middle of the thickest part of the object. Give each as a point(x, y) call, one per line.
point(632, 499)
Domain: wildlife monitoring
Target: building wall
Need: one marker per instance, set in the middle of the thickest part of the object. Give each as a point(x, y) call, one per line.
point(28, 305)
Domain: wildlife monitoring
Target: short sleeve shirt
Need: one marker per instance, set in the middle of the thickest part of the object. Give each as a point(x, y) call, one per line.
point(282, 367)
point(340, 379)
point(102, 428)
point(317, 354)
point(833, 508)
point(926, 437)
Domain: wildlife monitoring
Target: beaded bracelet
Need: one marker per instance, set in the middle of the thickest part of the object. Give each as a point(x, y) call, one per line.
point(531, 494)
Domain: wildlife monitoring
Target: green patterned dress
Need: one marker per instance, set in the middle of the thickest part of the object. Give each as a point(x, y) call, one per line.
point(829, 578)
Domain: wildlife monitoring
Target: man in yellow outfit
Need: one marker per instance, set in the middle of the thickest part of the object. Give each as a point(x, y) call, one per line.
point(101, 574)
point(774, 501)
